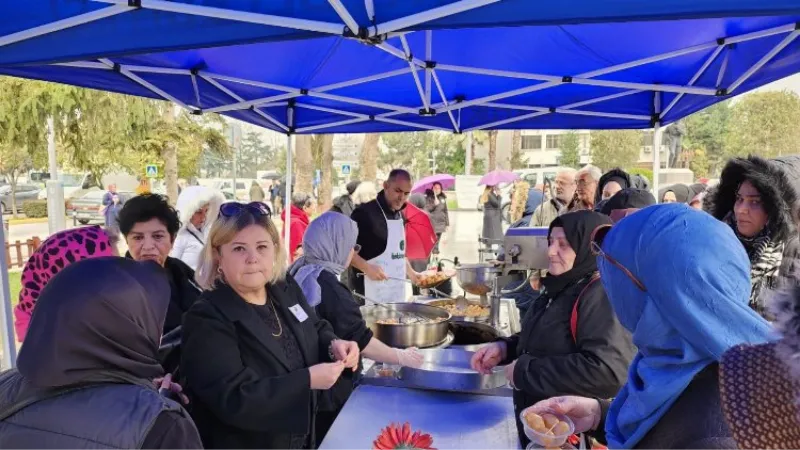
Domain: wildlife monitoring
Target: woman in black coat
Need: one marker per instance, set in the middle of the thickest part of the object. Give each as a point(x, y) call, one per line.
point(328, 248)
point(550, 356)
point(255, 354)
point(682, 325)
point(436, 207)
point(491, 202)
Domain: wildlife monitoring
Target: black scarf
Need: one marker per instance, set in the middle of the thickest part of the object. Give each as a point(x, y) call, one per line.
point(578, 227)
point(97, 318)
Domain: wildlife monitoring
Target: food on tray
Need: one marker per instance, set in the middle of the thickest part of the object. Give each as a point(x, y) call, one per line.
point(388, 321)
point(469, 311)
point(385, 370)
point(430, 279)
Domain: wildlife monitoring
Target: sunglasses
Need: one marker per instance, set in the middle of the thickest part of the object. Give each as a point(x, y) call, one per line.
point(597, 238)
point(233, 209)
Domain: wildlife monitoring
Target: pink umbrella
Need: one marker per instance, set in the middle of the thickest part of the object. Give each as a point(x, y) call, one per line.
point(496, 177)
point(447, 181)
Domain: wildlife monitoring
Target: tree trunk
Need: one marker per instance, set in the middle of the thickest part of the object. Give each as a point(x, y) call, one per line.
point(326, 185)
point(516, 149)
point(492, 150)
point(368, 161)
point(471, 154)
point(170, 156)
point(303, 165)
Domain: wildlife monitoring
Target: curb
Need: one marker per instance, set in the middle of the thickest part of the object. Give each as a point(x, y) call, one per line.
point(26, 221)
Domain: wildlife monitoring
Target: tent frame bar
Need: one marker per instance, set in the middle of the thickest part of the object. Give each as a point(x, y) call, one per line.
point(694, 79)
point(344, 14)
point(63, 24)
point(429, 15)
point(235, 96)
point(765, 59)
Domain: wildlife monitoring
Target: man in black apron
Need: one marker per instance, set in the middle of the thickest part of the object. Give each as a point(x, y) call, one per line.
point(378, 270)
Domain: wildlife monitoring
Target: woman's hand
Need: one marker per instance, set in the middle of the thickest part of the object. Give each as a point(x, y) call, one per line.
point(165, 386)
point(488, 357)
point(584, 412)
point(375, 273)
point(410, 357)
point(346, 352)
point(324, 375)
point(509, 370)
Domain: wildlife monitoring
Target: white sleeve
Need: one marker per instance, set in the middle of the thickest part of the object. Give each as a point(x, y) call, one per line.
point(179, 246)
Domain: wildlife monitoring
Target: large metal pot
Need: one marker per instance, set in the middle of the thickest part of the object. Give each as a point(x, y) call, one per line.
point(422, 335)
point(477, 278)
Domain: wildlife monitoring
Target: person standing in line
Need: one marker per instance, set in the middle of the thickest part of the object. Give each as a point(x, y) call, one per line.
point(87, 373)
point(296, 218)
point(586, 181)
point(256, 192)
point(565, 188)
point(198, 207)
point(382, 237)
point(491, 201)
point(436, 207)
point(345, 204)
point(255, 355)
point(111, 213)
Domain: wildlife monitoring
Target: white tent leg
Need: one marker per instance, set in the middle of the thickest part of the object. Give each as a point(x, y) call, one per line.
point(9, 340)
point(656, 159)
point(287, 201)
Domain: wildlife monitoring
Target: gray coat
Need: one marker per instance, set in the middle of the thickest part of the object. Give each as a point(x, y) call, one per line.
point(493, 218)
point(440, 216)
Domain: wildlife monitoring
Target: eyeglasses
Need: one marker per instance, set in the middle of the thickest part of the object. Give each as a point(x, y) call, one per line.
point(357, 248)
point(598, 235)
point(233, 209)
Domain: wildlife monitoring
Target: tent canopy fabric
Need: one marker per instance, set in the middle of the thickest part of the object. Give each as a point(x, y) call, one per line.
point(473, 64)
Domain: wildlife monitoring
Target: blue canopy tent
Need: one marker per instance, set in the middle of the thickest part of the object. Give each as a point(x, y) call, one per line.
point(356, 66)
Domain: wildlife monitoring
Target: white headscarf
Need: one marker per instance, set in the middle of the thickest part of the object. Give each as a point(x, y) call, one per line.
point(326, 246)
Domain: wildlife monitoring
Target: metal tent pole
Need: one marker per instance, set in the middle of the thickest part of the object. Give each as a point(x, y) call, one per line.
point(9, 340)
point(656, 144)
point(287, 201)
point(56, 213)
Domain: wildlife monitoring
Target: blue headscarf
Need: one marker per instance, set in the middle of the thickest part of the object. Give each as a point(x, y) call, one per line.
point(697, 277)
point(326, 246)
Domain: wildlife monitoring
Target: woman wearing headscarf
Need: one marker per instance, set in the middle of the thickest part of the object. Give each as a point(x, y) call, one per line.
point(571, 340)
point(756, 198)
point(698, 192)
point(85, 373)
point(681, 325)
point(198, 207)
point(344, 203)
point(54, 255)
point(329, 245)
point(677, 193)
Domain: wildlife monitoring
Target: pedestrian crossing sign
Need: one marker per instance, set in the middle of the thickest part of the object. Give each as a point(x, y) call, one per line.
point(151, 171)
point(345, 169)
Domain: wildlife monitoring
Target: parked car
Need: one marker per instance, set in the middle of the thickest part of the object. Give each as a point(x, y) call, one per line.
point(25, 192)
point(89, 207)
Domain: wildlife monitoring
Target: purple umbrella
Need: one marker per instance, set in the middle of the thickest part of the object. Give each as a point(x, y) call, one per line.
point(447, 181)
point(496, 177)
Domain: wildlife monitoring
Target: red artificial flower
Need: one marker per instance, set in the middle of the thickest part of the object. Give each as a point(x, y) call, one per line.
point(397, 437)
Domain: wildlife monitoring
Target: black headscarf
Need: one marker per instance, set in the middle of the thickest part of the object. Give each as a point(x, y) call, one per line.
point(683, 194)
point(578, 227)
point(97, 320)
point(351, 187)
point(628, 198)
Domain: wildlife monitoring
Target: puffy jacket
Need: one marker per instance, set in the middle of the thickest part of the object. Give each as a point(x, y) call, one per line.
point(298, 222)
point(189, 242)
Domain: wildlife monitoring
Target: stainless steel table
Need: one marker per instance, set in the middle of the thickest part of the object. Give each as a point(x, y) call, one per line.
point(455, 421)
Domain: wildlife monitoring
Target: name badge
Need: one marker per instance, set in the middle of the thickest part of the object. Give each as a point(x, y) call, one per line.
point(299, 313)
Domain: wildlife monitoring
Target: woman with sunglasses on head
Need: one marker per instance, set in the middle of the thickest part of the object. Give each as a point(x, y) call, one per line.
point(682, 324)
point(571, 341)
point(757, 199)
point(255, 355)
point(329, 246)
point(150, 226)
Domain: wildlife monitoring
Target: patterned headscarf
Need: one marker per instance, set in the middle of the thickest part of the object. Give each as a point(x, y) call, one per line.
point(57, 252)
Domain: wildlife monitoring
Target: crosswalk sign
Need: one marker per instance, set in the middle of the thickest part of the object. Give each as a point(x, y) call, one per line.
point(151, 171)
point(345, 169)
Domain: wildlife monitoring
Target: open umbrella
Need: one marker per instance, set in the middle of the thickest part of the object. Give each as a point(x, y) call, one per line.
point(420, 237)
point(496, 177)
point(447, 181)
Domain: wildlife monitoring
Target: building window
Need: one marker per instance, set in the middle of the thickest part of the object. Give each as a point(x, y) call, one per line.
point(532, 142)
point(553, 141)
point(647, 139)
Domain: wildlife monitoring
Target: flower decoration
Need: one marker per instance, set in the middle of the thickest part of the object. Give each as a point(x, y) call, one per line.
point(395, 436)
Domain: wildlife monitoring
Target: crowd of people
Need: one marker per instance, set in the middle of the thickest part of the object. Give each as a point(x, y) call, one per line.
point(641, 330)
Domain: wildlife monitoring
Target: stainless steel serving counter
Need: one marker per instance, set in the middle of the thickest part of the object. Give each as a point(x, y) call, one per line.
point(454, 420)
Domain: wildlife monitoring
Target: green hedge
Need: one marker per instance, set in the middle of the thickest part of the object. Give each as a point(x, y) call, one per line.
point(647, 173)
point(35, 209)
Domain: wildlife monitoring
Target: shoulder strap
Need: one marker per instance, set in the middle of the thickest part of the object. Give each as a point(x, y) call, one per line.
point(195, 236)
point(573, 319)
